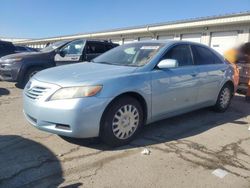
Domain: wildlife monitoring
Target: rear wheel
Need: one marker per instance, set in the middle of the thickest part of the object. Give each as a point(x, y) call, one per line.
point(224, 98)
point(122, 121)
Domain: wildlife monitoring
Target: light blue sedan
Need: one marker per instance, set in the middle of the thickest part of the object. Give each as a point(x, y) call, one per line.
point(127, 87)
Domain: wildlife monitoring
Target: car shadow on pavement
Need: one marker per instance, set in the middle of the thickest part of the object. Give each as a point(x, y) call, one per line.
point(4, 91)
point(26, 163)
point(179, 127)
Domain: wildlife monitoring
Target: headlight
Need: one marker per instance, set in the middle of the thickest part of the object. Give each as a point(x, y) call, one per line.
point(12, 60)
point(76, 92)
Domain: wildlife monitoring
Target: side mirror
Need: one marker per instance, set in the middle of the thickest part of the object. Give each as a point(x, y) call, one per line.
point(167, 63)
point(62, 53)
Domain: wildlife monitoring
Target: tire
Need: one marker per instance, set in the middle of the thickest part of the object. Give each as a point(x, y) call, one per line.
point(27, 75)
point(121, 121)
point(224, 98)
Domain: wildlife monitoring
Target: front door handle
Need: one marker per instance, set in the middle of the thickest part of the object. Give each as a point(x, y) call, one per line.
point(74, 58)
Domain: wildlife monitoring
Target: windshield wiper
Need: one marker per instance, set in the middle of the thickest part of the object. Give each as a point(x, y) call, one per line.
point(131, 65)
point(126, 65)
point(103, 62)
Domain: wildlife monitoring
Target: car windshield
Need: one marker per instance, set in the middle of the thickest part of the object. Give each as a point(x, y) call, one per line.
point(134, 54)
point(53, 46)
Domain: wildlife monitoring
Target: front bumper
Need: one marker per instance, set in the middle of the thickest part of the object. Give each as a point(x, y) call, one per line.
point(9, 72)
point(78, 118)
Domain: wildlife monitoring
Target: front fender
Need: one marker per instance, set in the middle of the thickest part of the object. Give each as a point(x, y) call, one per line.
point(136, 83)
point(27, 65)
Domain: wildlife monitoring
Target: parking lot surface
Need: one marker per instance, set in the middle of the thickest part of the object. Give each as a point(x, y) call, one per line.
point(184, 151)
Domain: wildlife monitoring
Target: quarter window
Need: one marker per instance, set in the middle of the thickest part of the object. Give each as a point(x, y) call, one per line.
point(181, 53)
point(203, 56)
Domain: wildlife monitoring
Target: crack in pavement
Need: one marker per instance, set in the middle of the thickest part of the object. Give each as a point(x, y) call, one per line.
point(15, 141)
point(200, 155)
point(43, 162)
point(4, 180)
point(70, 151)
point(68, 159)
point(36, 137)
point(98, 165)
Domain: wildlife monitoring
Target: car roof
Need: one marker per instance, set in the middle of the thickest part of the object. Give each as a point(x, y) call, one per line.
point(99, 40)
point(163, 42)
point(92, 40)
point(170, 42)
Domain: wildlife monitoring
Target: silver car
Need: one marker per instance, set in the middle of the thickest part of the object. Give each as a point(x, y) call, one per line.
point(127, 87)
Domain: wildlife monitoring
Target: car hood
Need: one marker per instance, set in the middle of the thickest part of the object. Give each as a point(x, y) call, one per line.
point(80, 73)
point(24, 55)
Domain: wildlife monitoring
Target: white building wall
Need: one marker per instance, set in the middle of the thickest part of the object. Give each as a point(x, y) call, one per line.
point(13, 39)
point(176, 31)
point(205, 33)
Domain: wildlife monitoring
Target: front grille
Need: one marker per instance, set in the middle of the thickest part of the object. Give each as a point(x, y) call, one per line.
point(36, 92)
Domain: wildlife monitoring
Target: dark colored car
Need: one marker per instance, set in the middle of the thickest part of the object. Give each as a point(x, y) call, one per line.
point(244, 79)
point(22, 66)
point(243, 65)
point(24, 49)
point(6, 48)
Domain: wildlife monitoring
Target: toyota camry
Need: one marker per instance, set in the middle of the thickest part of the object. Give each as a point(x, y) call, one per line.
point(130, 86)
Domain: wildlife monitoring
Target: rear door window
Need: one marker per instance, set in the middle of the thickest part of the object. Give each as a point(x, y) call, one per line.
point(203, 56)
point(95, 48)
point(181, 53)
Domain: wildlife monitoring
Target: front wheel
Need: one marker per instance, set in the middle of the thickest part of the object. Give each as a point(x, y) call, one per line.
point(224, 98)
point(28, 75)
point(122, 121)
